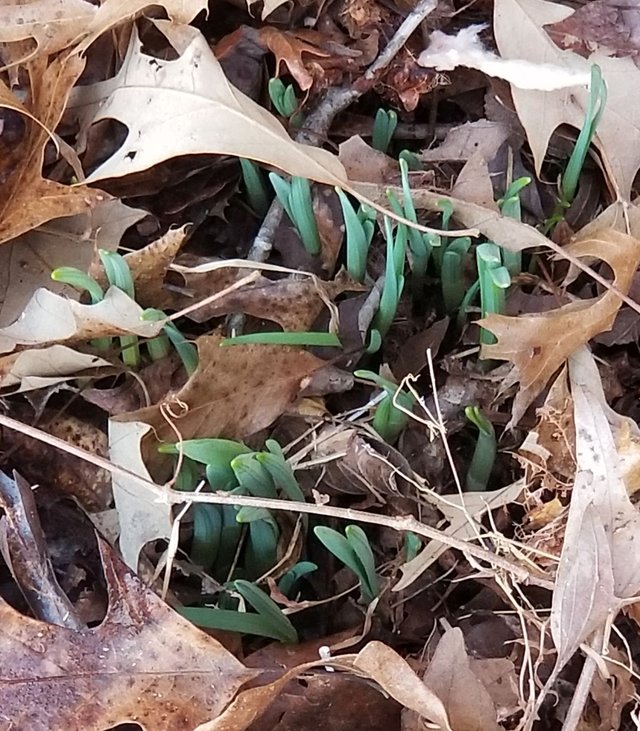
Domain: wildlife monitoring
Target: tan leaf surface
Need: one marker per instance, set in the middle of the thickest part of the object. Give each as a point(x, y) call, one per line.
point(27, 262)
point(598, 565)
point(189, 107)
point(28, 199)
point(57, 24)
point(397, 678)
point(143, 664)
point(288, 49)
point(236, 390)
point(50, 318)
point(449, 675)
point(519, 33)
point(538, 344)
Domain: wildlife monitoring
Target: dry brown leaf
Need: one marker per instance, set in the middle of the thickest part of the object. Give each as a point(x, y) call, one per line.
point(50, 318)
point(27, 262)
point(190, 108)
point(449, 675)
point(30, 200)
point(45, 367)
point(235, 392)
point(539, 344)
point(288, 48)
point(395, 676)
point(140, 516)
point(143, 664)
point(483, 137)
point(520, 34)
point(598, 568)
point(57, 24)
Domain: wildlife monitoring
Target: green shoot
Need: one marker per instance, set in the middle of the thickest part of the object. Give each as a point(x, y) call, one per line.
point(494, 282)
point(384, 125)
point(319, 339)
point(187, 351)
point(452, 273)
point(389, 420)
point(289, 581)
point(118, 275)
point(484, 454)
point(595, 109)
point(510, 206)
point(268, 621)
point(82, 281)
point(354, 551)
point(413, 161)
point(295, 197)
point(393, 284)
point(283, 98)
point(412, 546)
point(255, 186)
point(359, 228)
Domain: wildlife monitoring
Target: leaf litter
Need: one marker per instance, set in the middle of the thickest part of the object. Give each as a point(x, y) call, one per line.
point(183, 473)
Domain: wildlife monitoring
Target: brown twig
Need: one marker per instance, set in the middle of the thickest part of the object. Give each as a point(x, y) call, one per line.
point(402, 523)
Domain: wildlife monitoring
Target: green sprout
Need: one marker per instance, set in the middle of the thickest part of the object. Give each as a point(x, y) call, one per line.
point(187, 351)
point(354, 551)
point(288, 582)
point(484, 454)
point(318, 339)
point(436, 242)
point(452, 273)
point(510, 206)
point(255, 186)
point(218, 537)
point(384, 125)
point(118, 275)
point(571, 176)
point(413, 161)
point(494, 281)
point(393, 284)
point(359, 228)
point(420, 244)
point(295, 197)
point(285, 101)
point(389, 420)
point(267, 621)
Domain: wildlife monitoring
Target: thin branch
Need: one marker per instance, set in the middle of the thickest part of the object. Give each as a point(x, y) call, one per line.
point(165, 495)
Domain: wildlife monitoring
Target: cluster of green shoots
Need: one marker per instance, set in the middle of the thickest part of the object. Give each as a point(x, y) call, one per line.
point(118, 275)
point(239, 546)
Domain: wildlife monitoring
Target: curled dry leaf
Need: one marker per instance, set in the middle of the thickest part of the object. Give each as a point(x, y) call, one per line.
point(49, 318)
point(288, 48)
point(519, 28)
point(56, 24)
point(468, 703)
point(598, 567)
point(235, 392)
point(143, 664)
point(539, 344)
point(396, 677)
point(190, 108)
point(28, 199)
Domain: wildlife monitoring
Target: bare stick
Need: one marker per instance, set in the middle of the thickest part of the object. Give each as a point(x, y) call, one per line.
point(166, 495)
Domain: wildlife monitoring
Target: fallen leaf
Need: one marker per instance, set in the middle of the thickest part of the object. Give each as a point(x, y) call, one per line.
point(539, 344)
point(597, 569)
point(50, 318)
point(519, 29)
point(395, 676)
point(235, 392)
point(449, 675)
point(26, 263)
point(140, 516)
point(143, 664)
point(30, 200)
point(190, 108)
point(30, 370)
point(288, 48)
point(483, 137)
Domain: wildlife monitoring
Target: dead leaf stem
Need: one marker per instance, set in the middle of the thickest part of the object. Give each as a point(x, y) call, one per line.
point(401, 523)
